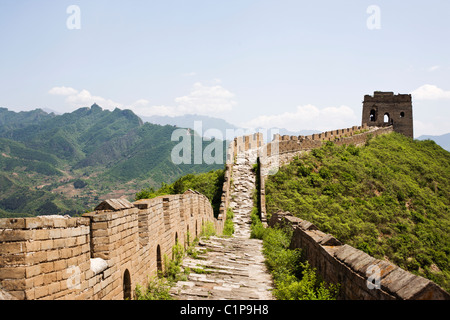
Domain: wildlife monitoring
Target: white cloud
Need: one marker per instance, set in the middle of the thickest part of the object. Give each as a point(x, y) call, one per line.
point(79, 99)
point(430, 92)
point(206, 100)
point(308, 117)
point(189, 74)
point(202, 100)
point(62, 91)
point(433, 68)
point(85, 99)
point(431, 127)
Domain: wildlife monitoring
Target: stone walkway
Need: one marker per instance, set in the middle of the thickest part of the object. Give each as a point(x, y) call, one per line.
point(230, 267)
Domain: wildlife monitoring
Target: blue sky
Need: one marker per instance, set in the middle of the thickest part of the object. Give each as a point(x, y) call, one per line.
point(294, 64)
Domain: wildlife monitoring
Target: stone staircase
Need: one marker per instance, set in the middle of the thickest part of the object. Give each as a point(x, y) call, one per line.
point(230, 267)
point(242, 193)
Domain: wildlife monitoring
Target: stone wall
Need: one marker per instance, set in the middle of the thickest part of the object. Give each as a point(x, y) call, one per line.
point(102, 255)
point(283, 149)
point(353, 269)
point(287, 144)
point(237, 147)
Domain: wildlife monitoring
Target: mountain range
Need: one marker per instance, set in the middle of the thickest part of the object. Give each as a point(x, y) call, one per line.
point(66, 164)
point(442, 140)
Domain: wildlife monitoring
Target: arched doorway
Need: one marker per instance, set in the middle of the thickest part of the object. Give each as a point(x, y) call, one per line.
point(158, 260)
point(187, 235)
point(386, 118)
point(126, 285)
point(373, 115)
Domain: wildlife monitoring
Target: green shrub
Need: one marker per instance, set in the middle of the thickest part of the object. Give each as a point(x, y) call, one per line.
point(293, 279)
point(209, 184)
point(257, 228)
point(208, 230)
point(228, 228)
point(157, 289)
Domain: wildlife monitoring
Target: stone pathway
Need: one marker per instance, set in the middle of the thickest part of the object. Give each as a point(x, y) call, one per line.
point(230, 267)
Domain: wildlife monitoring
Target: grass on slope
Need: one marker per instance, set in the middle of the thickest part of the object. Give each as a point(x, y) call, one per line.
point(389, 198)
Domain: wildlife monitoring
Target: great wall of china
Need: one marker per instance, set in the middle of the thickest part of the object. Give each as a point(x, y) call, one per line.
point(102, 255)
point(106, 253)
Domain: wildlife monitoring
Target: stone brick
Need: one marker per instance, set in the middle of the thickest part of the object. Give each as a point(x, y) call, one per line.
point(33, 271)
point(47, 267)
point(12, 247)
point(60, 265)
point(12, 223)
point(12, 272)
point(15, 235)
point(36, 257)
point(55, 233)
point(33, 223)
point(40, 234)
point(46, 244)
point(12, 259)
point(41, 292)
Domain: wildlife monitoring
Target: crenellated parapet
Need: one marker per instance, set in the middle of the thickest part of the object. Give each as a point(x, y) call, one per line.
point(102, 255)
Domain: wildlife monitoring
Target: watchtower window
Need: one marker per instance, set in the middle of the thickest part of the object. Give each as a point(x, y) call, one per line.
point(386, 118)
point(373, 115)
point(402, 114)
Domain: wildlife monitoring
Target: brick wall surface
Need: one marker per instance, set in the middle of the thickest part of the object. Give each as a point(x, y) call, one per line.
point(54, 257)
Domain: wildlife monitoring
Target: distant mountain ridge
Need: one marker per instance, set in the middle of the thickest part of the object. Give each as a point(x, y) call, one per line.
point(442, 140)
point(207, 123)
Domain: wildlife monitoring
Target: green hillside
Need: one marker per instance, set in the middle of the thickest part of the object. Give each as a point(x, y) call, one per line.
point(67, 164)
point(389, 198)
point(208, 183)
point(10, 120)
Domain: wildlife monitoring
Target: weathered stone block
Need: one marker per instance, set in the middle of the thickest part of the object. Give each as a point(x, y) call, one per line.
point(12, 223)
point(12, 272)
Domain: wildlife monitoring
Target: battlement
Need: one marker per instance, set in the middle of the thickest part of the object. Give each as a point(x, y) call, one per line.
point(287, 144)
point(387, 97)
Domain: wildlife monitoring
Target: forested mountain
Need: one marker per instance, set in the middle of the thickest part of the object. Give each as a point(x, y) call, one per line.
point(56, 164)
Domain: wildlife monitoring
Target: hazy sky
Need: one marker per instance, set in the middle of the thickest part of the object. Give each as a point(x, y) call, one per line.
point(294, 64)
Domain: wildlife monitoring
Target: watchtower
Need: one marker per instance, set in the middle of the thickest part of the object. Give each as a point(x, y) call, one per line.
point(385, 108)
